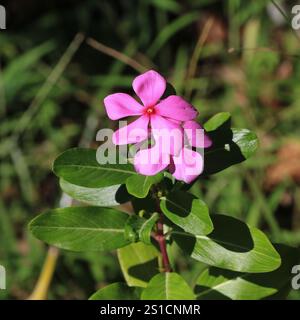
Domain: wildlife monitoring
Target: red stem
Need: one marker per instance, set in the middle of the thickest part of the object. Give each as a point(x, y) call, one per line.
point(160, 238)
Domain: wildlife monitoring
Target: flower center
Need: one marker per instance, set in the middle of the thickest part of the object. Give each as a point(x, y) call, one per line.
point(150, 110)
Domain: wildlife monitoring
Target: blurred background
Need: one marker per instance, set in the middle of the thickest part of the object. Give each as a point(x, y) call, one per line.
point(59, 59)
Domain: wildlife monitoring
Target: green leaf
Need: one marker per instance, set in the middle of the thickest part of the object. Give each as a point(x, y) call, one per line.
point(232, 245)
point(80, 167)
point(188, 212)
point(246, 140)
point(216, 121)
point(146, 228)
point(81, 228)
point(221, 284)
point(139, 263)
point(139, 229)
point(230, 146)
point(103, 197)
point(167, 286)
point(117, 291)
point(215, 283)
point(132, 228)
point(139, 185)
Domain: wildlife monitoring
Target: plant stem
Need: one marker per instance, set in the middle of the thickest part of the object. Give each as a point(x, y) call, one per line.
point(159, 235)
point(41, 289)
point(160, 238)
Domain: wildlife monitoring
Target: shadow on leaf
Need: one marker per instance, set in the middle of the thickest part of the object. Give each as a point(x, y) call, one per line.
point(224, 151)
point(235, 237)
point(122, 195)
point(185, 198)
point(206, 293)
point(279, 279)
point(138, 271)
point(235, 232)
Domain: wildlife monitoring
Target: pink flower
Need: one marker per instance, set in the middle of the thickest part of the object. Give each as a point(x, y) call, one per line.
point(196, 135)
point(186, 166)
point(169, 121)
point(157, 114)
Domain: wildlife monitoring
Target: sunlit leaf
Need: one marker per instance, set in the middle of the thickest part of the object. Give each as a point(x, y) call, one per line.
point(80, 167)
point(232, 245)
point(187, 211)
point(104, 197)
point(168, 286)
point(139, 185)
point(117, 291)
point(217, 121)
point(81, 228)
point(139, 263)
point(229, 145)
point(215, 283)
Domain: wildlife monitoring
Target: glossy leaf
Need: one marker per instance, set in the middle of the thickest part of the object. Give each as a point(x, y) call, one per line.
point(103, 197)
point(230, 146)
point(80, 167)
point(168, 286)
point(139, 263)
point(117, 291)
point(81, 228)
point(220, 284)
point(188, 212)
point(240, 145)
point(246, 140)
point(215, 283)
point(139, 185)
point(232, 245)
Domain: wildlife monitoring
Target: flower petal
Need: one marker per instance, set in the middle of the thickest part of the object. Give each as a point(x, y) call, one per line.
point(167, 133)
point(187, 166)
point(149, 86)
point(175, 107)
point(120, 105)
point(196, 135)
point(151, 161)
point(136, 131)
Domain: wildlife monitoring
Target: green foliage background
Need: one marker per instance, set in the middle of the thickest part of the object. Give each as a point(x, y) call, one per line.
point(245, 63)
